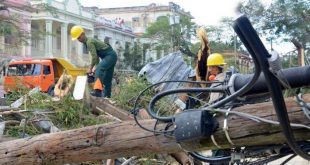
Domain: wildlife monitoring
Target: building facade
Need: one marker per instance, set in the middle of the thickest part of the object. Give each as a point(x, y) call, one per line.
point(51, 23)
point(15, 25)
point(116, 33)
point(139, 18)
point(48, 24)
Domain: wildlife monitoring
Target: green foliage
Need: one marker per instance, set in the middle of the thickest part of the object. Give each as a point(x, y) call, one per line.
point(133, 56)
point(7, 29)
point(131, 86)
point(159, 29)
point(19, 131)
point(10, 26)
point(222, 37)
point(69, 113)
point(14, 132)
point(168, 36)
point(281, 19)
point(11, 29)
point(16, 94)
point(289, 61)
point(128, 89)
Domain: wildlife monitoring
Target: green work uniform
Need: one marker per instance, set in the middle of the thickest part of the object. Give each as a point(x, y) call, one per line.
point(104, 68)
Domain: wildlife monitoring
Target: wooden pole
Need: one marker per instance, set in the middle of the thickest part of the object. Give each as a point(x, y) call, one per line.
point(128, 139)
point(300, 49)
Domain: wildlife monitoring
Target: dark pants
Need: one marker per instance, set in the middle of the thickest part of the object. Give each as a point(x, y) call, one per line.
point(104, 71)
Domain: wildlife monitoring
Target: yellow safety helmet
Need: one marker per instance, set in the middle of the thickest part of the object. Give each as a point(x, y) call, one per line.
point(215, 59)
point(76, 31)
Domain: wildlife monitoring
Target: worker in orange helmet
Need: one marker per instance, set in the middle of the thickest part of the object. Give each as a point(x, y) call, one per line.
point(103, 69)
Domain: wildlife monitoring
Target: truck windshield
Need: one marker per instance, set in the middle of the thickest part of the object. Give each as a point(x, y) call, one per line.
point(24, 70)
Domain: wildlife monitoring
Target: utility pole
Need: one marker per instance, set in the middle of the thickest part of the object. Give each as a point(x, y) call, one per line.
point(126, 138)
point(235, 49)
point(173, 20)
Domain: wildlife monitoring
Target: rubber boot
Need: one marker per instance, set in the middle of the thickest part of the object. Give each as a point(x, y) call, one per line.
point(96, 93)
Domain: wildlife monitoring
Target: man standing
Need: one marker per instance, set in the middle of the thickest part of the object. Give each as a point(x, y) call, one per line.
point(103, 69)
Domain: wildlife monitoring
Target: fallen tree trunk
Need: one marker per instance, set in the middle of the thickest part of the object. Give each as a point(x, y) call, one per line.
point(128, 139)
point(103, 106)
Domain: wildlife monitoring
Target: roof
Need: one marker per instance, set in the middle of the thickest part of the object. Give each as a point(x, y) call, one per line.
point(170, 67)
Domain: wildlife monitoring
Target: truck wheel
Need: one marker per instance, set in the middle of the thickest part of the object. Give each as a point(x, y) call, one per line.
point(50, 90)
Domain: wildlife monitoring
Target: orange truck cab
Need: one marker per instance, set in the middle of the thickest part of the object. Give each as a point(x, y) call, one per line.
point(43, 73)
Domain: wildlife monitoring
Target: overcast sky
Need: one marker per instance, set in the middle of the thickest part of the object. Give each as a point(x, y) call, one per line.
point(206, 12)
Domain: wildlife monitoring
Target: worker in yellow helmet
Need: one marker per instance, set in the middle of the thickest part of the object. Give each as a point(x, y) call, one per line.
point(103, 69)
point(215, 64)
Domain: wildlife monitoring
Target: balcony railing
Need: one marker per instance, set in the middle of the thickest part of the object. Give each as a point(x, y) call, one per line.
point(113, 24)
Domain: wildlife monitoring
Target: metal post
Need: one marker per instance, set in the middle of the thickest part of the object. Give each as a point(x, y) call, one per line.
point(235, 49)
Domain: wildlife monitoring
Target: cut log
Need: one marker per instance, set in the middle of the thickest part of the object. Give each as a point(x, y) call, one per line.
point(128, 139)
point(100, 105)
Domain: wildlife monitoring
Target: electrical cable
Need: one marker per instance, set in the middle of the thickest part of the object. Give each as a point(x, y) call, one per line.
point(244, 28)
point(154, 131)
point(288, 159)
point(241, 91)
point(304, 106)
point(210, 159)
point(202, 101)
point(135, 110)
point(249, 85)
point(168, 92)
point(252, 117)
point(256, 74)
point(170, 81)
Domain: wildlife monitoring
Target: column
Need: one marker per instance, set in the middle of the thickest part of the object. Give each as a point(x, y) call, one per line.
point(41, 46)
point(55, 52)
point(26, 47)
point(91, 34)
point(49, 38)
point(28, 44)
point(64, 40)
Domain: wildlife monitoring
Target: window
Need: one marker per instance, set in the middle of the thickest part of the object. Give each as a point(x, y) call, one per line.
point(58, 39)
point(24, 70)
point(8, 39)
point(46, 70)
point(135, 19)
point(36, 70)
point(135, 22)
